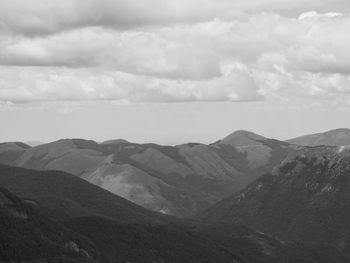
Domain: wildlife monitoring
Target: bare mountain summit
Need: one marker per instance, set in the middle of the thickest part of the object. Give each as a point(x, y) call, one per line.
point(242, 138)
point(337, 137)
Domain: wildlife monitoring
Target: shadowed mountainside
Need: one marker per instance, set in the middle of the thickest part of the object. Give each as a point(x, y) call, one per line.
point(36, 228)
point(306, 198)
point(28, 235)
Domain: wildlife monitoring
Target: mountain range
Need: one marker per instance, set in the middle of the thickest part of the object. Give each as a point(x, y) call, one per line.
point(178, 180)
point(250, 198)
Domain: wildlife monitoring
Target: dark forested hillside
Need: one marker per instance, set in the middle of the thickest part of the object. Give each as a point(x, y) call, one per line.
point(26, 235)
point(306, 199)
point(70, 196)
point(38, 227)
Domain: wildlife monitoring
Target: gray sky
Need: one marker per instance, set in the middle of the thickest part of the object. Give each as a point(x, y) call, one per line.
point(172, 71)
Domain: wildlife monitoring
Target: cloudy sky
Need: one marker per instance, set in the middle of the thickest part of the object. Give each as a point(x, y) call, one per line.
point(172, 71)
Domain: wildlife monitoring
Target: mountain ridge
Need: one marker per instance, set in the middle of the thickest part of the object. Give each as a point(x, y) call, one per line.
point(242, 138)
point(306, 198)
point(179, 180)
point(335, 137)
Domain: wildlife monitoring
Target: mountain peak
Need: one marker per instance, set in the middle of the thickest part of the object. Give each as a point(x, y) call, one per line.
point(338, 131)
point(116, 141)
point(336, 137)
point(242, 138)
point(246, 133)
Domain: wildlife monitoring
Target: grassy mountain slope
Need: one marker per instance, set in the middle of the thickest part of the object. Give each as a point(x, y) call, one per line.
point(178, 180)
point(337, 137)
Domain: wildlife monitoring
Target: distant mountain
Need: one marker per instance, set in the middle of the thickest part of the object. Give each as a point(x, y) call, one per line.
point(117, 141)
point(306, 198)
point(56, 219)
point(11, 151)
point(242, 138)
point(336, 137)
point(178, 180)
point(260, 154)
point(34, 143)
point(173, 180)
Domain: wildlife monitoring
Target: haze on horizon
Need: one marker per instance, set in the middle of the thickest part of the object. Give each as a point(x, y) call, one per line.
point(172, 71)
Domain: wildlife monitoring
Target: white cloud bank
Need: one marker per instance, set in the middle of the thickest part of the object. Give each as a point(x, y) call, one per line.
point(170, 51)
point(44, 17)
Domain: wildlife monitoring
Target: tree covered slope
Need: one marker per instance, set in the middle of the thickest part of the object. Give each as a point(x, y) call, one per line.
point(307, 198)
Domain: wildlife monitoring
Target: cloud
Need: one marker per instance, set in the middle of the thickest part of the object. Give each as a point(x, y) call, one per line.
point(177, 52)
point(42, 17)
point(316, 43)
point(313, 14)
point(30, 84)
point(136, 52)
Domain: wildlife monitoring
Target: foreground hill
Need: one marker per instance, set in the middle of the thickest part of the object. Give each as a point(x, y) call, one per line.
point(34, 230)
point(307, 199)
point(70, 197)
point(27, 235)
point(338, 137)
point(178, 180)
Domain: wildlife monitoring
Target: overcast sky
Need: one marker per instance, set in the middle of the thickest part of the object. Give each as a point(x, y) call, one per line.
point(172, 71)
